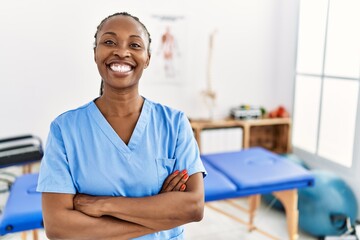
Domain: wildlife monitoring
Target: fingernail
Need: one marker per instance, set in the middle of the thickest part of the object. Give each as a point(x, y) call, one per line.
point(184, 171)
point(176, 172)
point(186, 176)
point(182, 188)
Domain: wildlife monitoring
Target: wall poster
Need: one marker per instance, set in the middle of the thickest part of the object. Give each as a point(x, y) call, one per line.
point(168, 60)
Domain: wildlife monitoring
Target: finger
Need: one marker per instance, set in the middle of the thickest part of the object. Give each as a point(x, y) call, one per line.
point(173, 182)
point(181, 182)
point(183, 187)
point(177, 181)
point(168, 180)
point(76, 200)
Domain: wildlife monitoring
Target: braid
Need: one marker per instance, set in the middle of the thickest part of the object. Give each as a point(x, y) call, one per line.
point(101, 87)
point(114, 15)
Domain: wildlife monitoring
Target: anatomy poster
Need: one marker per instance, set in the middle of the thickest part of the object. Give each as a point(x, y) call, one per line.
point(168, 63)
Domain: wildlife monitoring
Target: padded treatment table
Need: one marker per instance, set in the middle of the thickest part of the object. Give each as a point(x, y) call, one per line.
point(22, 211)
point(252, 172)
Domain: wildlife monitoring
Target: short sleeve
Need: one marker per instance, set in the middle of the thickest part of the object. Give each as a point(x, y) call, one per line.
point(187, 151)
point(54, 173)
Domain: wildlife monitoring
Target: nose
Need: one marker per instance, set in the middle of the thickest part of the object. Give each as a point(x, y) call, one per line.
point(122, 52)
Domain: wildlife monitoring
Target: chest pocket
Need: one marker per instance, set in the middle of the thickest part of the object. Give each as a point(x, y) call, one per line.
point(165, 166)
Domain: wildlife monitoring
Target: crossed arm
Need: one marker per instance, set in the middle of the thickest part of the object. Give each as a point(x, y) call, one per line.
point(68, 216)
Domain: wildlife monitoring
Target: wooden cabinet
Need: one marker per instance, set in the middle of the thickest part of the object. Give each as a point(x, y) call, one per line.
point(271, 133)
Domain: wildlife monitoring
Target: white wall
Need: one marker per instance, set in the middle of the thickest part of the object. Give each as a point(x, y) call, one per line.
point(47, 64)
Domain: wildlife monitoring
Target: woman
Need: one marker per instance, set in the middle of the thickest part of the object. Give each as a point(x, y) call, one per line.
point(121, 166)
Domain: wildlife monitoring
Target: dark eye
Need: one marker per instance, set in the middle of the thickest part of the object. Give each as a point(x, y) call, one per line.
point(135, 45)
point(109, 42)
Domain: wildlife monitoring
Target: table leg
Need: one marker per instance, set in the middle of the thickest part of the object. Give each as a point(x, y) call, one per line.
point(35, 234)
point(254, 202)
point(246, 136)
point(289, 199)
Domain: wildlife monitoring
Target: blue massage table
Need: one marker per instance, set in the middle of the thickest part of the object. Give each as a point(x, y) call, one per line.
point(249, 172)
point(252, 172)
point(22, 210)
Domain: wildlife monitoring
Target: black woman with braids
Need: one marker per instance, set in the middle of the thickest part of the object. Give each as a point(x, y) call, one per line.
point(121, 166)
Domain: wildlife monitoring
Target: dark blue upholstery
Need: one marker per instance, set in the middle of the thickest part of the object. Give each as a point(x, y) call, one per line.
point(252, 171)
point(22, 211)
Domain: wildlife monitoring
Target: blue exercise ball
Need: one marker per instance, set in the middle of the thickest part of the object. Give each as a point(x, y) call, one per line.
point(295, 159)
point(325, 207)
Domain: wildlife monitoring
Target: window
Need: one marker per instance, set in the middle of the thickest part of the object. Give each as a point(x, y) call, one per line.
point(327, 79)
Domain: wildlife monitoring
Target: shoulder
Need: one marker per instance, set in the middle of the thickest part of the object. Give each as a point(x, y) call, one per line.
point(173, 120)
point(165, 112)
point(74, 115)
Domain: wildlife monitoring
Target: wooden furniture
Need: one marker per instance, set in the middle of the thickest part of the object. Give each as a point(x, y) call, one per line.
point(273, 134)
point(250, 173)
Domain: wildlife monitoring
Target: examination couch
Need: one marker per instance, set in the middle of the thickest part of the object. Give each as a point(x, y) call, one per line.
point(252, 172)
point(231, 175)
point(22, 210)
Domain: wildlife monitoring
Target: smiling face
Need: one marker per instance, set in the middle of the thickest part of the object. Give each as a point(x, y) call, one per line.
point(121, 52)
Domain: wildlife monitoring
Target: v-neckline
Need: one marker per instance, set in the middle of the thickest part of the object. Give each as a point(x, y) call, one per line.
point(111, 134)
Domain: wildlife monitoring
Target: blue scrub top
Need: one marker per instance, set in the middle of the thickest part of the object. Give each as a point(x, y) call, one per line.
point(85, 155)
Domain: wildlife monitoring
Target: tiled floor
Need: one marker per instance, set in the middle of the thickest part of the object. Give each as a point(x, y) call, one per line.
point(216, 226)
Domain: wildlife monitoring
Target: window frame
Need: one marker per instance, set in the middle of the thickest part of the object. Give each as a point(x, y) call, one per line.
point(314, 159)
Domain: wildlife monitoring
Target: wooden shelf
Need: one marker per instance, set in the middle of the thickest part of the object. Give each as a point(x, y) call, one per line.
point(271, 133)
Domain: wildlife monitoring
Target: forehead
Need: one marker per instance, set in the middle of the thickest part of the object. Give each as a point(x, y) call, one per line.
point(123, 25)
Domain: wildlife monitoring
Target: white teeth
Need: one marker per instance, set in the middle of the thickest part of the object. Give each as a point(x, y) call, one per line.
point(120, 68)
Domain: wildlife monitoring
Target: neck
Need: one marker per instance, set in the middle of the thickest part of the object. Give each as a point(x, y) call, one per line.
point(120, 105)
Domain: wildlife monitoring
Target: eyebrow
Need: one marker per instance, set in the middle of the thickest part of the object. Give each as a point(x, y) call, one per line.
point(114, 34)
point(111, 33)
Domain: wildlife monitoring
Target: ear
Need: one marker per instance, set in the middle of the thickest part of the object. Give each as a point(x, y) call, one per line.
point(147, 61)
point(95, 54)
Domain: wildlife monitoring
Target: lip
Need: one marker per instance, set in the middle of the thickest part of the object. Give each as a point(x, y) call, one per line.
point(120, 62)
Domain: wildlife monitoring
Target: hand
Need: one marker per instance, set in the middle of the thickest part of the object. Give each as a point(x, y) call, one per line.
point(89, 205)
point(175, 182)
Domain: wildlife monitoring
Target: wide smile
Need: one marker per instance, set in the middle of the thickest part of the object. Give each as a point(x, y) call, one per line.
point(120, 68)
